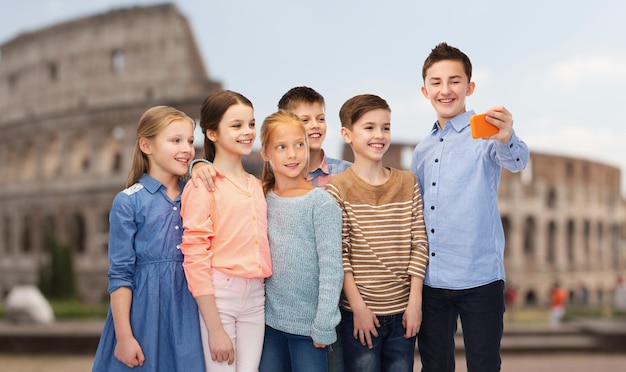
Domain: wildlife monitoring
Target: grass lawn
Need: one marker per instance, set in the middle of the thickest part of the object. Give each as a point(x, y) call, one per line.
point(73, 309)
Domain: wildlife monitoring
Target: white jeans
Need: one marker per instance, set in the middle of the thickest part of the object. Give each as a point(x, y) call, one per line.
point(241, 304)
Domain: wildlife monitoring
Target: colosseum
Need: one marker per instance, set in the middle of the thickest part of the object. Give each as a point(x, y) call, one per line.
point(71, 95)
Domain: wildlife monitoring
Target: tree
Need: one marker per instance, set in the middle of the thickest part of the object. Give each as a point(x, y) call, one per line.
point(56, 276)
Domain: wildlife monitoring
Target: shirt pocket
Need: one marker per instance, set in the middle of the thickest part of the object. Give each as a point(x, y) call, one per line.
point(461, 164)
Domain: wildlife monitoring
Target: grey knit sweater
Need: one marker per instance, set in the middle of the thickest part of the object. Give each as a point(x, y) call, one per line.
point(302, 295)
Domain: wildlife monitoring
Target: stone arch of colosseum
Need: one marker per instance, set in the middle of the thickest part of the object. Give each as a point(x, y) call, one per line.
point(71, 95)
point(565, 222)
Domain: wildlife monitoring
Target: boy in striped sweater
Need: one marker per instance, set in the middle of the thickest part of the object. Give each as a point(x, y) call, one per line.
point(385, 249)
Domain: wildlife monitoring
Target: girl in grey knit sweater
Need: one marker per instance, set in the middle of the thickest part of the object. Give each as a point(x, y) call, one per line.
point(304, 229)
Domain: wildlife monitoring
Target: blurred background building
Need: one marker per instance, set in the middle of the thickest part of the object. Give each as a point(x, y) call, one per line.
point(564, 220)
point(70, 99)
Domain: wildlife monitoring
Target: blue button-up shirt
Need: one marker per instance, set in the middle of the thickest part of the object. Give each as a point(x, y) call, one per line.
point(145, 227)
point(459, 178)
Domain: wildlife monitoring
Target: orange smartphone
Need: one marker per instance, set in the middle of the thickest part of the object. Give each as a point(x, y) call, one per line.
point(481, 128)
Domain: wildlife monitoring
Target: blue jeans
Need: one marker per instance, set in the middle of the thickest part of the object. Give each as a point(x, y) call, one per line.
point(391, 351)
point(286, 352)
point(335, 353)
point(481, 310)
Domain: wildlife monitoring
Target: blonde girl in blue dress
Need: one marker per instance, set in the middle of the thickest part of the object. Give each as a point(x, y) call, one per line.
point(152, 321)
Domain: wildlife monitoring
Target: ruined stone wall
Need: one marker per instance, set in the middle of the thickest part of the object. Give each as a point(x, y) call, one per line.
point(564, 221)
point(70, 97)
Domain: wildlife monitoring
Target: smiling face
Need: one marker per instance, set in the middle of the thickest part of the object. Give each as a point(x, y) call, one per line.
point(446, 85)
point(236, 131)
point(370, 135)
point(286, 151)
point(170, 151)
point(313, 117)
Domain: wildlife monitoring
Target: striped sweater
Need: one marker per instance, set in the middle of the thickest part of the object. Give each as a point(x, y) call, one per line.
point(383, 237)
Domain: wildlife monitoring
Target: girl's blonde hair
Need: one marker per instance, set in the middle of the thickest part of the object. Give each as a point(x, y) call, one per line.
point(151, 123)
point(281, 117)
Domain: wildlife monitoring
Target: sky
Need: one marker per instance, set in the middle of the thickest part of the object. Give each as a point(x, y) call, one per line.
point(558, 67)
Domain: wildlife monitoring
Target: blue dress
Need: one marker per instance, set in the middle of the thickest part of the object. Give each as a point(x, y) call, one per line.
point(145, 233)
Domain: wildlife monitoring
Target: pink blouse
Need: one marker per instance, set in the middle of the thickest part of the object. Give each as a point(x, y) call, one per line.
point(225, 230)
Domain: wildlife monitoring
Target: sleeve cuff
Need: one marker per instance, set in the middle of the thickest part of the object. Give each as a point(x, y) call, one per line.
point(194, 162)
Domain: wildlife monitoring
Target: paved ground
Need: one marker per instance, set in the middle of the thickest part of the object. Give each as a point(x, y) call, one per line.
point(525, 348)
point(511, 363)
point(555, 363)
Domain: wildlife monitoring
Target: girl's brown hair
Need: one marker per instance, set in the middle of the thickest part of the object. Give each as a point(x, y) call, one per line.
point(151, 123)
point(213, 109)
point(281, 117)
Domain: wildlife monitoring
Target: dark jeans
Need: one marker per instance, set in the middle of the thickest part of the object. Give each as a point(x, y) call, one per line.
point(335, 353)
point(286, 352)
point(481, 310)
point(391, 352)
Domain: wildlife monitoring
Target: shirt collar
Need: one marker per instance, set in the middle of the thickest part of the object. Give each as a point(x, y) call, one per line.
point(458, 123)
point(323, 165)
point(150, 183)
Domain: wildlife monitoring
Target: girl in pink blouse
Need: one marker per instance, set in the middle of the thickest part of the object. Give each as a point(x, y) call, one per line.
point(225, 240)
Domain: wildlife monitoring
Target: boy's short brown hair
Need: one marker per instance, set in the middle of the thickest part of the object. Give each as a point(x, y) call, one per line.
point(443, 52)
point(298, 95)
point(357, 106)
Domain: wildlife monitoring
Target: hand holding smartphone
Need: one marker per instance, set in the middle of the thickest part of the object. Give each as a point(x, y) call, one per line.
point(481, 128)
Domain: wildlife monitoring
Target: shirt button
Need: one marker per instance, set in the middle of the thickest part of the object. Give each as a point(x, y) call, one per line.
point(253, 218)
point(176, 227)
point(436, 160)
point(440, 139)
point(432, 207)
point(175, 208)
point(517, 159)
point(511, 145)
point(433, 254)
point(434, 184)
point(432, 231)
point(177, 246)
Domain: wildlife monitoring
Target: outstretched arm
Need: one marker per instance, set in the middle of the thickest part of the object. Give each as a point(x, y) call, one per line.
point(509, 151)
point(501, 118)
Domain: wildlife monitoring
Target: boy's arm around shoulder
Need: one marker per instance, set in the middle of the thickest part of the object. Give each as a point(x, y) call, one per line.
point(206, 171)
